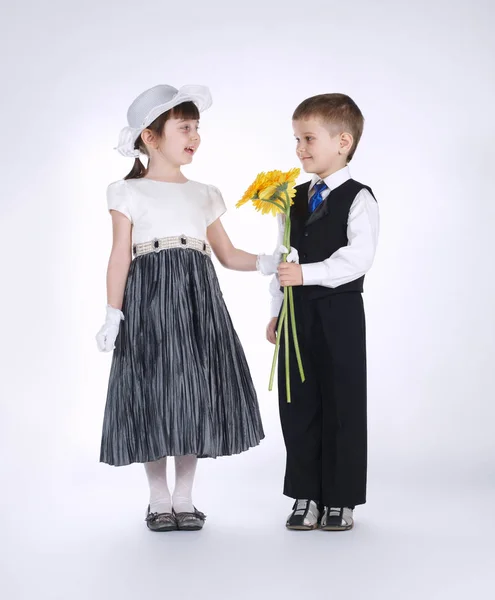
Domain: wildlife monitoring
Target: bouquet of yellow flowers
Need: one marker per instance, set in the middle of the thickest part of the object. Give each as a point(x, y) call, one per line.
point(273, 193)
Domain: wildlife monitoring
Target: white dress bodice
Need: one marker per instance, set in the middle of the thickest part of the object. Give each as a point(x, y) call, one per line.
point(160, 209)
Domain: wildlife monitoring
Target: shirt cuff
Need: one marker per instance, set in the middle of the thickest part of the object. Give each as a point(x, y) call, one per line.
point(314, 273)
point(275, 306)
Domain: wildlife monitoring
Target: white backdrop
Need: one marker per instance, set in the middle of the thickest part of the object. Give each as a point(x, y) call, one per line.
point(422, 74)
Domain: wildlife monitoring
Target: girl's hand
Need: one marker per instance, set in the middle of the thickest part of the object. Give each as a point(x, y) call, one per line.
point(267, 265)
point(271, 331)
point(293, 256)
point(105, 338)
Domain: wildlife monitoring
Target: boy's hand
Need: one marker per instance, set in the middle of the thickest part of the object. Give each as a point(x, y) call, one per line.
point(271, 331)
point(290, 274)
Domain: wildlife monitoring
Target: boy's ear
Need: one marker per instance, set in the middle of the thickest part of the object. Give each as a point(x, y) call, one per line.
point(346, 142)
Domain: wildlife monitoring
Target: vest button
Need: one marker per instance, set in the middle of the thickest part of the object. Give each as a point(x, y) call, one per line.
point(306, 234)
point(305, 255)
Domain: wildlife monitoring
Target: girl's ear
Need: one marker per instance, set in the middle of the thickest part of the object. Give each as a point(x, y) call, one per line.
point(148, 137)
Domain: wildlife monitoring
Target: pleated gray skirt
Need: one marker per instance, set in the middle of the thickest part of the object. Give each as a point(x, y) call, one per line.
point(179, 381)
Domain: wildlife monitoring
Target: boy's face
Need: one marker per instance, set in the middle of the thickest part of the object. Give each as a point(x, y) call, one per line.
point(317, 149)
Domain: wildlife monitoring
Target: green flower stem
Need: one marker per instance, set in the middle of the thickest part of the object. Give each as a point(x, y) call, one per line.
point(282, 208)
point(287, 312)
point(294, 334)
point(286, 298)
point(283, 315)
point(281, 320)
point(287, 365)
point(291, 309)
point(287, 229)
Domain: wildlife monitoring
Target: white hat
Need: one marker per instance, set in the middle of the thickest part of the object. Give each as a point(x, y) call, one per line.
point(151, 104)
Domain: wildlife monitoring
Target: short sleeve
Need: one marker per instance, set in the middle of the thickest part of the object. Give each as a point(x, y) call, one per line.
point(216, 205)
point(118, 198)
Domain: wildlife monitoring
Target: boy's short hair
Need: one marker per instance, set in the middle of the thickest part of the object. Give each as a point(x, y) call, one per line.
point(336, 110)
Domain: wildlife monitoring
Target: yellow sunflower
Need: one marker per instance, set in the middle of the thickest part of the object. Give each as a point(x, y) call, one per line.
point(253, 190)
point(291, 175)
point(268, 191)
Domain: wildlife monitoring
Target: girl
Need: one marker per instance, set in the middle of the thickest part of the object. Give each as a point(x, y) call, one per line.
point(179, 383)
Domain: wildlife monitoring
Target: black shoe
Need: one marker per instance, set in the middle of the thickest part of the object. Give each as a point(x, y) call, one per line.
point(190, 521)
point(337, 519)
point(161, 521)
point(305, 516)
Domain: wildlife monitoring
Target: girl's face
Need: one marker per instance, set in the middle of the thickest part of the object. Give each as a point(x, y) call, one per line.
point(180, 141)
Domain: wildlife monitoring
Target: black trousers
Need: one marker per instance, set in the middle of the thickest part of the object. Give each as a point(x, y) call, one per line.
point(325, 425)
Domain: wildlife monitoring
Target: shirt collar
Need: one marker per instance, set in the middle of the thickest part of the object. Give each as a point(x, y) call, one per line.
point(334, 180)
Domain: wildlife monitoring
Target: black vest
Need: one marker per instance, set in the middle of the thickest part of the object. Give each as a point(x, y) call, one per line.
point(319, 234)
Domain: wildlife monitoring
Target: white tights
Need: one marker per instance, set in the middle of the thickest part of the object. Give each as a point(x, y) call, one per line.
point(160, 499)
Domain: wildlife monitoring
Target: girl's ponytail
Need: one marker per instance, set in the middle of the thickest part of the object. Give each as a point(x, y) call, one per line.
point(138, 170)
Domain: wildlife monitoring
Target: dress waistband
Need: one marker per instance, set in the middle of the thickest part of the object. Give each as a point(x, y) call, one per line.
point(179, 241)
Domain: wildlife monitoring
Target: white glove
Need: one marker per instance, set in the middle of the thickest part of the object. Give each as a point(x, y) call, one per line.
point(268, 264)
point(105, 338)
point(293, 256)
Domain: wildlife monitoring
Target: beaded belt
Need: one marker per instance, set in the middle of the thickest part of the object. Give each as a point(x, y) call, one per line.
point(179, 241)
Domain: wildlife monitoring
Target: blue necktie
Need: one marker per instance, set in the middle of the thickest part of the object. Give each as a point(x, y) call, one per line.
point(316, 198)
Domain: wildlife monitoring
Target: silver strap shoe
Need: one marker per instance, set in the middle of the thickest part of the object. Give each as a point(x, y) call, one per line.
point(160, 521)
point(190, 521)
point(304, 516)
point(337, 519)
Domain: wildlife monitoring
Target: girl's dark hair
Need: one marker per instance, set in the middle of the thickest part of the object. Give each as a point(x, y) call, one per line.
point(186, 110)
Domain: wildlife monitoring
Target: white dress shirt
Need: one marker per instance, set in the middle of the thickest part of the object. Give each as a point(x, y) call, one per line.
point(349, 262)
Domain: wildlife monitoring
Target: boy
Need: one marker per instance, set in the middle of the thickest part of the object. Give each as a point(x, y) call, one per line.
point(335, 224)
